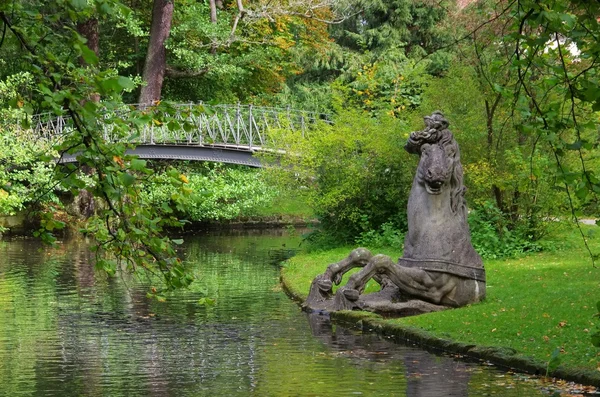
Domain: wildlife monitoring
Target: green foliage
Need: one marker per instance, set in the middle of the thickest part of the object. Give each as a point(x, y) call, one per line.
point(215, 192)
point(384, 25)
point(543, 72)
point(387, 236)
point(375, 60)
point(492, 238)
point(554, 361)
point(223, 65)
point(43, 39)
point(23, 178)
point(355, 172)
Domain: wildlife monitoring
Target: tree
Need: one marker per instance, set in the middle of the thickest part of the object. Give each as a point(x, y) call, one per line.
point(542, 78)
point(372, 59)
point(129, 233)
point(156, 58)
point(229, 44)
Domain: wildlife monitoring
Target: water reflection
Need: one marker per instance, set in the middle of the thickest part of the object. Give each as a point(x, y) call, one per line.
point(66, 331)
point(426, 375)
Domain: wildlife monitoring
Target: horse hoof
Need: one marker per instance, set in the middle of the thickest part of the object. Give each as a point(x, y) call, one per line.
point(351, 294)
point(325, 285)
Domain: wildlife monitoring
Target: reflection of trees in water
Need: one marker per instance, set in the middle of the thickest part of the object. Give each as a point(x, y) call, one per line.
point(115, 338)
point(426, 375)
point(63, 332)
point(269, 245)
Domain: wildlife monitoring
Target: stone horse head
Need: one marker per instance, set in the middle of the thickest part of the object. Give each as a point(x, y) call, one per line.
point(439, 166)
point(437, 211)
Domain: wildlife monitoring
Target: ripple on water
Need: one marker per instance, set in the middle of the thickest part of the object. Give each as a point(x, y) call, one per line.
point(66, 331)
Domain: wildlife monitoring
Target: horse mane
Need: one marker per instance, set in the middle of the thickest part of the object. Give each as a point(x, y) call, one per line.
point(457, 187)
point(437, 132)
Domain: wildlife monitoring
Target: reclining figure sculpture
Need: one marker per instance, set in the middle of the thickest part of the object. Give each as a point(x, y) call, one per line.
point(440, 268)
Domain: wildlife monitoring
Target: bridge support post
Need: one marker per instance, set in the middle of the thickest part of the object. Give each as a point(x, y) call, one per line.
point(250, 121)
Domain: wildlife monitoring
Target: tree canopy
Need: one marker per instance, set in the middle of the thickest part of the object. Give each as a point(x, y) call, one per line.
point(516, 78)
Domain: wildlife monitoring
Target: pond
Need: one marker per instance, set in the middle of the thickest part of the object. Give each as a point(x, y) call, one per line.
point(66, 331)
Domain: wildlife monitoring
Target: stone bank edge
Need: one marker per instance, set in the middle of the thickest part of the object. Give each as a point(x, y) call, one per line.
point(504, 357)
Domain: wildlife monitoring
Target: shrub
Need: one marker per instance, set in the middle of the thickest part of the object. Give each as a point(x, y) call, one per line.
point(387, 236)
point(23, 177)
point(355, 172)
point(492, 238)
point(217, 192)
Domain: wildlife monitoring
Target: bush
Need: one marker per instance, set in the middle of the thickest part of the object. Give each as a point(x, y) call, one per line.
point(387, 236)
point(24, 178)
point(217, 192)
point(356, 173)
point(492, 238)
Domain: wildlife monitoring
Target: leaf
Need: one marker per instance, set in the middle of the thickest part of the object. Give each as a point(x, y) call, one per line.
point(88, 55)
point(127, 179)
point(126, 83)
point(595, 339)
point(568, 21)
point(554, 361)
point(137, 164)
point(206, 302)
point(575, 145)
point(78, 4)
point(177, 241)
point(110, 85)
point(173, 125)
point(582, 193)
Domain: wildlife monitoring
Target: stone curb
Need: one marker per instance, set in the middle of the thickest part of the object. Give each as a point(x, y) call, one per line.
point(503, 357)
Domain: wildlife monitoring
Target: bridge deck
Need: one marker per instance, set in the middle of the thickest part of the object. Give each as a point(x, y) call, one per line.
point(222, 133)
point(229, 155)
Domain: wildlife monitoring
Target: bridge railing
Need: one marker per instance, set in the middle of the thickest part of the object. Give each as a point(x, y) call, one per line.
point(242, 126)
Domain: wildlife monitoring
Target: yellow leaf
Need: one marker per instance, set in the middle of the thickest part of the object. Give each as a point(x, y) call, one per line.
point(183, 178)
point(118, 160)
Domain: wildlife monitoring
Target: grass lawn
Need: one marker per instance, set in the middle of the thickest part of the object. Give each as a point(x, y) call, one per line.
point(535, 303)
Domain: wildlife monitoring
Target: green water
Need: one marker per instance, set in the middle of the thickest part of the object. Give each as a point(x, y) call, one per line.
point(65, 331)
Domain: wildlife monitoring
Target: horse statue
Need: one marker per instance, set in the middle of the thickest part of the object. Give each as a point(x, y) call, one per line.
point(440, 269)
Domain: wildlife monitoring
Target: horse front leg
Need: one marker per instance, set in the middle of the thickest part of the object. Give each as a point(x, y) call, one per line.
point(346, 298)
point(322, 286)
point(357, 258)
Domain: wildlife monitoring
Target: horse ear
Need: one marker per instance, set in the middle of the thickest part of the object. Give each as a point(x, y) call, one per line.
point(412, 146)
point(439, 117)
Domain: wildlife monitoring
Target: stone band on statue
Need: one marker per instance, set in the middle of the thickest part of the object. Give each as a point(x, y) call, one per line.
point(440, 268)
point(438, 265)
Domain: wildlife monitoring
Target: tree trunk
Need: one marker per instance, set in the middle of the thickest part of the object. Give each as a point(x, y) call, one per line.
point(156, 58)
point(490, 110)
point(213, 20)
point(89, 30)
point(84, 201)
point(213, 11)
